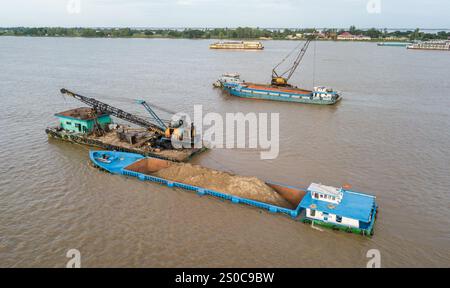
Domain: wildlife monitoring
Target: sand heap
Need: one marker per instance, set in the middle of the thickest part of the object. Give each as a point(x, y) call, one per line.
point(245, 187)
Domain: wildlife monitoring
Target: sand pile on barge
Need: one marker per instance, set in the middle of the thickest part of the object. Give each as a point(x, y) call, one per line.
point(241, 186)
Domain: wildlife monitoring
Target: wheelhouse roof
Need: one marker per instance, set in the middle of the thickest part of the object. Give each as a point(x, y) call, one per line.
point(323, 189)
point(354, 205)
point(82, 113)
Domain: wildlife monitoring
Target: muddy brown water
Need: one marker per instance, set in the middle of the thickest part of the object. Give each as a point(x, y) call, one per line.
point(388, 137)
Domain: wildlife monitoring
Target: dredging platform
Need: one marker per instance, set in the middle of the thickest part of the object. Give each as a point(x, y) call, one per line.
point(93, 126)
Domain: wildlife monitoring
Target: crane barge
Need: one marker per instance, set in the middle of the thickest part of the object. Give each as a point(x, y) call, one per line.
point(279, 88)
point(94, 126)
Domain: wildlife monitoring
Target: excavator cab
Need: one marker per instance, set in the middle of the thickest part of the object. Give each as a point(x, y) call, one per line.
point(177, 129)
point(279, 81)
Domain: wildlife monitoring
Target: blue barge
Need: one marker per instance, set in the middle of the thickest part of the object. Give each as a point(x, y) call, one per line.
point(320, 95)
point(327, 206)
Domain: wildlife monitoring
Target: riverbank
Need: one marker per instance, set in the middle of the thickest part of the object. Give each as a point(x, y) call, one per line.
point(215, 39)
point(241, 33)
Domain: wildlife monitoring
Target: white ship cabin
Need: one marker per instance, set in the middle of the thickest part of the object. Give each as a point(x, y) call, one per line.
point(323, 92)
point(231, 79)
point(337, 206)
point(326, 193)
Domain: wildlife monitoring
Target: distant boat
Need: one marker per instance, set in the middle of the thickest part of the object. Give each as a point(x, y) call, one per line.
point(443, 45)
point(237, 87)
point(279, 89)
point(244, 45)
point(394, 44)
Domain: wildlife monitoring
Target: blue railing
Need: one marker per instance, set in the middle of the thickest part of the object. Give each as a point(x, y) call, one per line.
point(202, 191)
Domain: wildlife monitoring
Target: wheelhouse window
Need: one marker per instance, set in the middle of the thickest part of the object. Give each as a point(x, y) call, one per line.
point(338, 219)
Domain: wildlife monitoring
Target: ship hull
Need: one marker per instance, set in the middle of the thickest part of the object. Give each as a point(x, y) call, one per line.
point(235, 48)
point(273, 94)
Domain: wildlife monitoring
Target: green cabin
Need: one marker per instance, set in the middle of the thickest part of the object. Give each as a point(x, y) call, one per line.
point(82, 120)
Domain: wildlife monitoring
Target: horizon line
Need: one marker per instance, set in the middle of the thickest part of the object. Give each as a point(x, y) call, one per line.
point(211, 27)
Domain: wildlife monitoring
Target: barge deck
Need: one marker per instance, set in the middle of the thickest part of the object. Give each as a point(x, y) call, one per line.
point(110, 141)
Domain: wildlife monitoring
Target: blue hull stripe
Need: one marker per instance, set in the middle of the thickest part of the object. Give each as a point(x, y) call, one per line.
point(286, 97)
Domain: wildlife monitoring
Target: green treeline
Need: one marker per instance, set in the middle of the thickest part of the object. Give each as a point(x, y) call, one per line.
point(216, 33)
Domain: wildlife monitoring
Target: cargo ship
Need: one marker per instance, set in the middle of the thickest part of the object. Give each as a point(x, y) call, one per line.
point(330, 207)
point(242, 45)
point(279, 89)
point(232, 84)
point(443, 45)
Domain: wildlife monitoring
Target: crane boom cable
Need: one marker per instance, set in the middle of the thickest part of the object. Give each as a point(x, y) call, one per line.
point(285, 58)
point(298, 60)
point(290, 71)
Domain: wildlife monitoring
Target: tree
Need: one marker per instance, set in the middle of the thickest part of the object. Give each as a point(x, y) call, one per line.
point(373, 33)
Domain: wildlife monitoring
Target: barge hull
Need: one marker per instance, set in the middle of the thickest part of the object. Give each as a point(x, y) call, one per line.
point(266, 95)
point(133, 170)
point(142, 168)
point(171, 155)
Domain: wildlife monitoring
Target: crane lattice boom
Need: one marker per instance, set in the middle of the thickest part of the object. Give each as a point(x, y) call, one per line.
point(119, 113)
point(282, 79)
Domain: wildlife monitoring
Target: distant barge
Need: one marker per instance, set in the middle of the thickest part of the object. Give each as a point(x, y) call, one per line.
point(443, 45)
point(242, 45)
point(394, 44)
point(335, 208)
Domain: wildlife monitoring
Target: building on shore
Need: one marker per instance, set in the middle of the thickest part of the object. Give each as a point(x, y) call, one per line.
point(393, 38)
point(350, 37)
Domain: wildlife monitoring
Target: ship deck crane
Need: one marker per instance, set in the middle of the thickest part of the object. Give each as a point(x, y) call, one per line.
point(281, 79)
point(154, 116)
point(119, 113)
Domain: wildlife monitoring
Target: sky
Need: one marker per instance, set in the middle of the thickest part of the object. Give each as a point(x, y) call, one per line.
point(226, 13)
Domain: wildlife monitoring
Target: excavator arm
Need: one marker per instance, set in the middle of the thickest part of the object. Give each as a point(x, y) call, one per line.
point(154, 116)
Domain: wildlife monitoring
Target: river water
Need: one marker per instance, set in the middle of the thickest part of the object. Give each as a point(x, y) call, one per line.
point(388, 137)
